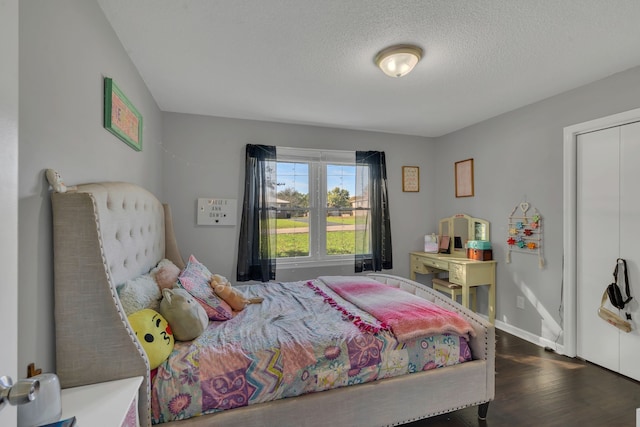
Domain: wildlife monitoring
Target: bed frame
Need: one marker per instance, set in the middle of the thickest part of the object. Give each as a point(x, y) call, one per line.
point(107, 233)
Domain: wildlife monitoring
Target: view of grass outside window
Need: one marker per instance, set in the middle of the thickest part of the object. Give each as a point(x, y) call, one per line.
point(319, 214)
point(292, 215)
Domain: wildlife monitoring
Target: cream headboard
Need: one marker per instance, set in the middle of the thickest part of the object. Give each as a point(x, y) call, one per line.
point(103, 235)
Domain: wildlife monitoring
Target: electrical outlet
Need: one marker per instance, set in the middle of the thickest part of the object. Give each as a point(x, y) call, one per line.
point(520, 302)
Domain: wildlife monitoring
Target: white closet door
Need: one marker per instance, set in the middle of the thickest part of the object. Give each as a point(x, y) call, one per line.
point(597, 231)
point(630, 241)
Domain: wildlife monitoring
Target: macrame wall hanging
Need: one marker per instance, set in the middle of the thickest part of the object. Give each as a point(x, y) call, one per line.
point(525, 232)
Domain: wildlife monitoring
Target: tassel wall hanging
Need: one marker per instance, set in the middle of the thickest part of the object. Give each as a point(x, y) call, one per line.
point(525, 232)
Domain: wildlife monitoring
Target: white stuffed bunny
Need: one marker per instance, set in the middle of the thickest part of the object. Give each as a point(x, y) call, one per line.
point(56, 181)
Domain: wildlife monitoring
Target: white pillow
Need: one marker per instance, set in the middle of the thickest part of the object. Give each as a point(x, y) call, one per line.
point(139, 293)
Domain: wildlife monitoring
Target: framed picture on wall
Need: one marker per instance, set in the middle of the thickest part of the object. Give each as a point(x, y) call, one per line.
point(120, 116)
point(410, 178)
point(464, 178)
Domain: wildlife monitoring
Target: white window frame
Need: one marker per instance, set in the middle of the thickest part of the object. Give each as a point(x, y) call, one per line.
point(317, 160)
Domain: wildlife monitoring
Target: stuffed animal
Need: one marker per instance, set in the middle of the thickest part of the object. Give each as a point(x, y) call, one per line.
point(56, 182)
point(154, 334)
point(231, 296)
point(185, 315)
point(138, 293)
point(165, 274)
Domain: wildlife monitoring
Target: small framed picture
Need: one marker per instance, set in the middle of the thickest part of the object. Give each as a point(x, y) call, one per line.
point(464, 178)
point(410, 178)
point(120, 116)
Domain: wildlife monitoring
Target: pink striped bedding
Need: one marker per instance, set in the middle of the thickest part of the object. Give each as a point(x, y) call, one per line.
point(406, 315)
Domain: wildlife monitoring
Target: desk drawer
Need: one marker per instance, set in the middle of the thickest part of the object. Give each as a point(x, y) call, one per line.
point(436, 263)
point(425, 262)
point(458, 274)
point(417, 265)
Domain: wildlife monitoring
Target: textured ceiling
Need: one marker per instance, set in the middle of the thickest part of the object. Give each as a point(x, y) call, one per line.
point(311, 61)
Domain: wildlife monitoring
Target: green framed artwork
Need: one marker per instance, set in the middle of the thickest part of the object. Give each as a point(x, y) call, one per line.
point(120, 116)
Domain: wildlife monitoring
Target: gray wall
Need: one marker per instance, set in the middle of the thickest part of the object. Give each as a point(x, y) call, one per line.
point(205, 158)
point(66, 48)
point(9, 196)
point(518, 156)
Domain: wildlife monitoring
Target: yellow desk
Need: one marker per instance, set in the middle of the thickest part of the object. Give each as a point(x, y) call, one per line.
point(462, 271)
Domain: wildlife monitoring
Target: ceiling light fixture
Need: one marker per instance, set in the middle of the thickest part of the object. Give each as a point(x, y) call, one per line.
point(399, 60)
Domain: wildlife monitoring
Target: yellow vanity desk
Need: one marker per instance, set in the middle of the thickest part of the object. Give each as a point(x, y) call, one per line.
point(452, 259)
point(462, 271)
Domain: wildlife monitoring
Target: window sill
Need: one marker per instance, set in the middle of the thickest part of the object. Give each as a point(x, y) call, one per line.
point(290, 264)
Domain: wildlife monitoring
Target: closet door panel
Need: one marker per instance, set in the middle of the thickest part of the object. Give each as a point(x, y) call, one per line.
point(630, 241)
point(597, 230)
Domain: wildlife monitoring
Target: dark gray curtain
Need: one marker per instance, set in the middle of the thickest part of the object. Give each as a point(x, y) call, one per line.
point(256, 248)
point(375, 190)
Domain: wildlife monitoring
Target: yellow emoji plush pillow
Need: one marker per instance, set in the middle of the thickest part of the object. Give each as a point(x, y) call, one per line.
point(154, 333)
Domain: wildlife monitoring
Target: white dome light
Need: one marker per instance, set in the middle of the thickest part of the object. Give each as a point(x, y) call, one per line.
point(398, 61)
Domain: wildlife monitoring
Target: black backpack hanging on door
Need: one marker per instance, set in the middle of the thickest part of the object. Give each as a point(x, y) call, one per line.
point(617, 300)
point(614, 292)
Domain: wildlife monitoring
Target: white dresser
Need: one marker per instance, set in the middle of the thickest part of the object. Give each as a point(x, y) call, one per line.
point(108, 404)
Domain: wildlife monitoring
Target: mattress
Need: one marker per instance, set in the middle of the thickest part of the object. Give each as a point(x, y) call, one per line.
point(293, 343)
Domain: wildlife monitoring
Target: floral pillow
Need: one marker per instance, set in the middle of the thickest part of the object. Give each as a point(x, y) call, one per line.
point(195, 279)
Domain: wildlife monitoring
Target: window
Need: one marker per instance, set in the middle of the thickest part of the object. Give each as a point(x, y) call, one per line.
point(321, 213)
point(313, 206)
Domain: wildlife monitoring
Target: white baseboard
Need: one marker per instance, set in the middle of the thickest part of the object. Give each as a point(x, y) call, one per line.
point(528, 336)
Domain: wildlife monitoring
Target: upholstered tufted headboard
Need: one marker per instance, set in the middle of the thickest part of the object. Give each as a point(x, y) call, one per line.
point(104, 234)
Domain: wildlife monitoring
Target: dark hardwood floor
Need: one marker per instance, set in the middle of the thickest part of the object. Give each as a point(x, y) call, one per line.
point(535, 387)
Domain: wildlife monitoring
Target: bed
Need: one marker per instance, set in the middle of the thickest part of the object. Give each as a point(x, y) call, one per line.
point(107, 233)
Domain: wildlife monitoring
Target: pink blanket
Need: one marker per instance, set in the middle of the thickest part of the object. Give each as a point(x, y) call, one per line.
point(406, 315)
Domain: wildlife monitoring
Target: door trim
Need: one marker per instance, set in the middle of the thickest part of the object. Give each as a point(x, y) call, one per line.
point(569, 293)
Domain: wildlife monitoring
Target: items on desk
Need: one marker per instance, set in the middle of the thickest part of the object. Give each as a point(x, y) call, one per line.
point(431, 243)
point(444, 245)
point(479, 250)
point(457, 242)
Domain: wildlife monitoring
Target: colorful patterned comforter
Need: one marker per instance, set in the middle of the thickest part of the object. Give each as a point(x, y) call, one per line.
point(291, 344)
